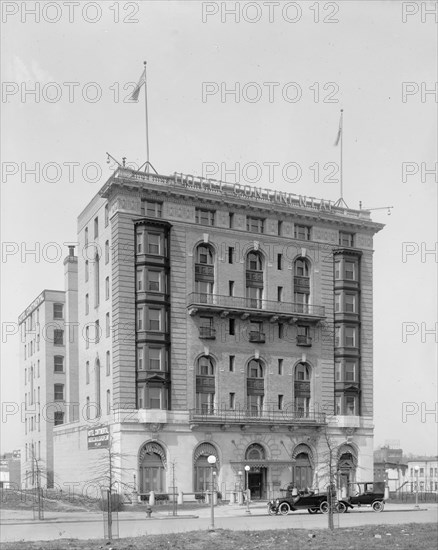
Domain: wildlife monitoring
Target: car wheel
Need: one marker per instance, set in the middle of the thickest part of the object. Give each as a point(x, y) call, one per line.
point(324, 507)
point(272, 511)
point(341, 508)
point(312, 510)
point(378, 506)
point(284, 509)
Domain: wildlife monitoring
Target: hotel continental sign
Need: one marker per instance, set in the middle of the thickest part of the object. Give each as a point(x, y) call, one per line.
point(221, 320)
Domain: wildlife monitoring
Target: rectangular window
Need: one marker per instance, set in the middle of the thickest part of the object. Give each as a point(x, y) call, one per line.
point(338, 404)
point(337, 336)
point(58, 418)
point(350, 371)
point(107, 325)
point(107, 252)
point(281, 330)
point(154, 242)
point(140, 358)
point(97, 332)
point(58, 363)
point(350, 337)
point(279, 294)
point(232, 401)
point(154, 281)
point(337, 301)
point(280, 402)
point(255, 225)
point(154, 319)
point(107, 289)
point(279, 261)
point(230, 254)
point(108, 402)
point(87, 304)
point(346, 239)
point(280, 367)
point(350, 303)
point(106, 215)
point(86, 236)
point(155, 398)
point(58, 392)
point(154, 358)
point(140, 318)
point(337, 269)
point(108, 363)
point(230, 220)
point(58, 311)
point(338, 371)
point(139, 239)
point(140, 279)
point(231, 327)
point(350, 405)
point(204, 217)
point(231, 288)
point(58, 337)
point(280, 228)
point(96, 227)
point(302, 232)
point(350, 270)
point(232, 359)
point(87, 337)
point(151, 209)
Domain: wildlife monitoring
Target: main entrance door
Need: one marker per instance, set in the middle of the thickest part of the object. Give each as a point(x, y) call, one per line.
point(257, 483)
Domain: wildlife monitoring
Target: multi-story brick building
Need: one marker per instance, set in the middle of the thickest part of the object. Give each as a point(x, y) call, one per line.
point(48, 371)
point(222, 320)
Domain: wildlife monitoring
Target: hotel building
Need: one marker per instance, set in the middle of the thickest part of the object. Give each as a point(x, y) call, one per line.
point(223, 320)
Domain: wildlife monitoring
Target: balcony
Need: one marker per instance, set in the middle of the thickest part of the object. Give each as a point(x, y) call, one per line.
point(204, 272)
point(246, 417)
point(207, 333)
point(304, 341)
point(262, 309)
point(257, 337)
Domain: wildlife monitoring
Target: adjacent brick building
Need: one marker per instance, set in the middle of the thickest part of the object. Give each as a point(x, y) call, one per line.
point(223, 320)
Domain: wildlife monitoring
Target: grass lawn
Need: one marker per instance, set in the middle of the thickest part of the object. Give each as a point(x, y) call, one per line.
point(410, 536)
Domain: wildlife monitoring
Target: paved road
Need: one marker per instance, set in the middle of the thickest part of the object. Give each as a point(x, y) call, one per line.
point(84, 526)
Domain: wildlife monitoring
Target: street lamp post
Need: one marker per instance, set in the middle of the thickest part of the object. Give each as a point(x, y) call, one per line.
point(248, 492)
point(212, 461)
point(416, 486)
point(240, 498)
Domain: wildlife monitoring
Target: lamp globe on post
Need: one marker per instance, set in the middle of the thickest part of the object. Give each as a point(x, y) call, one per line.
point(248, 492)
point(212, 461)
point(416, 468)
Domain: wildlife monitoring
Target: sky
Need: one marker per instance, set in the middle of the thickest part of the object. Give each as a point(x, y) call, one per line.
point(292, 66)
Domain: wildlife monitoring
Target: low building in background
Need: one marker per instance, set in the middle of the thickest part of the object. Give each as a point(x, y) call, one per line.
point(10, 470)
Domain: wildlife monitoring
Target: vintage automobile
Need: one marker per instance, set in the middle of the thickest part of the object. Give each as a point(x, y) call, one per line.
point(309, 501)
point(363, 494)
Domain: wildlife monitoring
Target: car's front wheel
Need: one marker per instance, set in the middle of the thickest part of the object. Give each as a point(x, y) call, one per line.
point(271, 510)
point(284, 509)
point(341, 507)
point(313, 510)
point(378, 506)
point(324, 507)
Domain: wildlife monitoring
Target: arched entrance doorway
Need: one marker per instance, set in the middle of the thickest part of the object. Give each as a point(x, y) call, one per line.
point(257, 476)
point(152, 467)
point(347, 463)
point(303, 467)
point(202, 468)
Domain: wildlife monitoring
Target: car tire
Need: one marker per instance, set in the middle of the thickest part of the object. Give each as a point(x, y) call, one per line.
point(284, 509)
point(378, 506)
point(324, 507)
point(271, 512)
point(313, 510)
point(341, 508)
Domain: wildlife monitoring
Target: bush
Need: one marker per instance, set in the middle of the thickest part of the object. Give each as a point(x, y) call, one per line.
point(116, 503)
point(160, 497)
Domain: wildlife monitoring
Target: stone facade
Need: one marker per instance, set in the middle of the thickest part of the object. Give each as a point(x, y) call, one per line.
point(231, 334)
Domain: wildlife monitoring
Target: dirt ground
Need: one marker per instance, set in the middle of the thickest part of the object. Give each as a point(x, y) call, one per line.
point(410, 536)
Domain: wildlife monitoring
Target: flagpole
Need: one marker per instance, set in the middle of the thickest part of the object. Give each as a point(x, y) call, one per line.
point(146, 116)
point(341, 145)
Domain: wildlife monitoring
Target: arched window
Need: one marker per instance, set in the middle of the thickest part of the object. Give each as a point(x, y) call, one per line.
point(302, 389)
point(301, 285)
point(255, 387)
point(255, 452)
point(204, 272)
point(152, 460)
point(205, 385)
point(254, 279)
point(202, 468)
point(303, 472)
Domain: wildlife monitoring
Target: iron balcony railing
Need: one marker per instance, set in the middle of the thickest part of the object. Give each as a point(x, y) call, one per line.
point(207, 333)
point(219, 302)
point(268, 415)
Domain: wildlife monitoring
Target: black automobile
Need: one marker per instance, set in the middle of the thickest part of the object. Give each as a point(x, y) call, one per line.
point(309, 501)
point(364, 494)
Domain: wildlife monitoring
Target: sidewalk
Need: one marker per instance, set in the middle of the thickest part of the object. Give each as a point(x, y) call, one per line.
point(14, 517)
